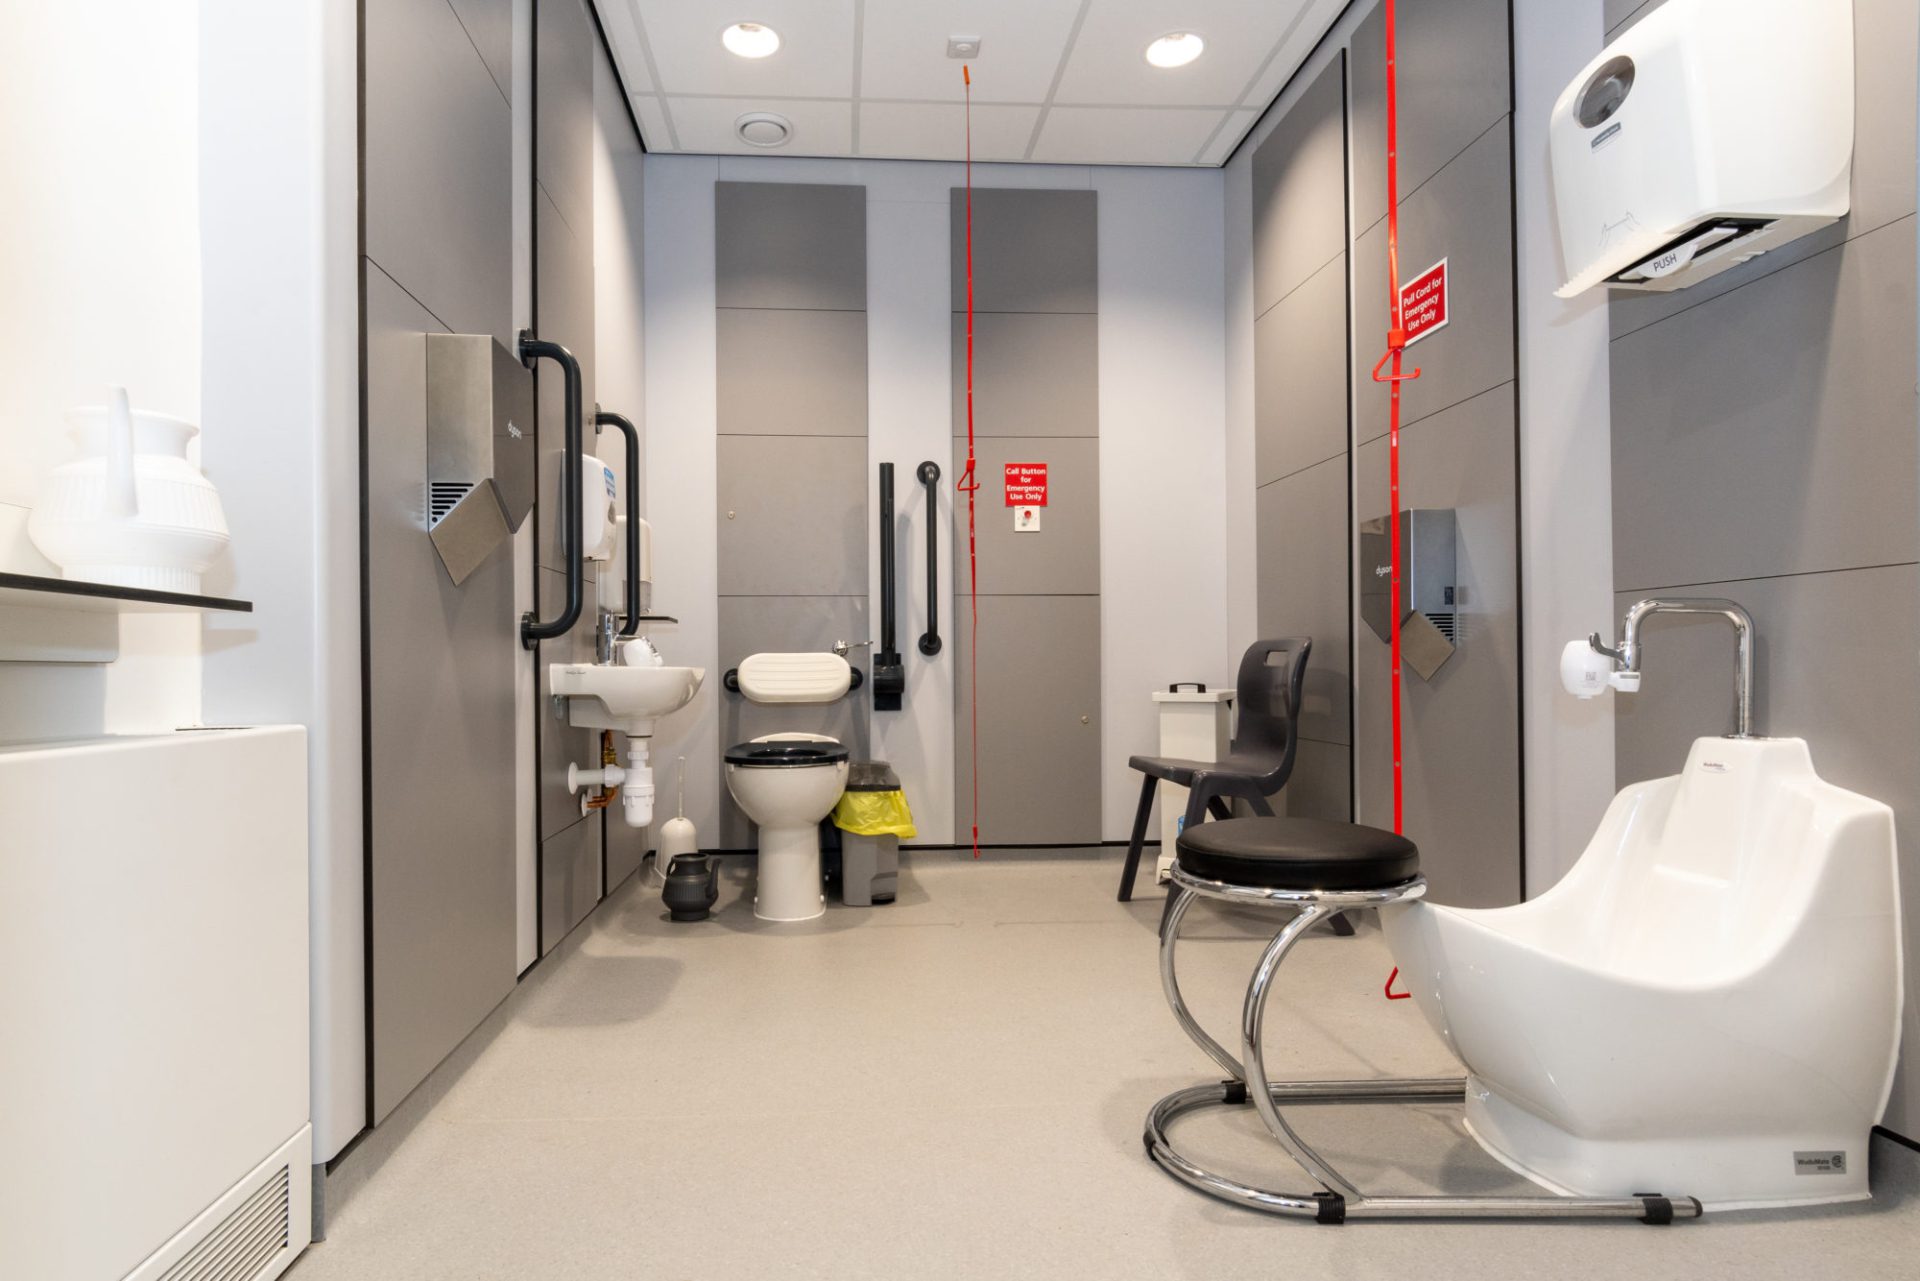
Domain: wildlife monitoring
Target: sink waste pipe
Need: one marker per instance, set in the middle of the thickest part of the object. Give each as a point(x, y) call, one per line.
point(1396, 349)
point(970, 486)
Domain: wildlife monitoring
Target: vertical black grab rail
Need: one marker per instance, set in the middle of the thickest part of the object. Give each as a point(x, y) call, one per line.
point(532, 630)
point(601, 418)
point(889, 674)
point(929, 475)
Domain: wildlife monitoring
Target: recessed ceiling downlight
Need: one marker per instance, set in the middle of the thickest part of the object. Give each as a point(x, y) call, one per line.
point(750, 39)
point(763, 129)
point(1175, 49)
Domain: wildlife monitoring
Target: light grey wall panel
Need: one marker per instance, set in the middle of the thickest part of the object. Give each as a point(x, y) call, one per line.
point(442, 922)
point(563, 124)
point(1464, 215)
point(1039, 720)
point(439, 167)
point(563, 313)
point(1771, 430)
point(1035, 374)
point(569, 880)
point(1883, 163)
point(489, 24)
point(1617, 12)
point(1300, 190)
point(1461, 767)
point(791, 245)
point(792, 373)
point(793, 515)
point(1300, 375)
point(1063, 555)
point(1827, 668)
point(798, 624)
point(1032, 250)
point(1454, 84)
point(1321, 785)
point(1304, 587)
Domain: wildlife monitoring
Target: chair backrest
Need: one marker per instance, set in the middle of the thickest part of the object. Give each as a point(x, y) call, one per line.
point(1268, 694)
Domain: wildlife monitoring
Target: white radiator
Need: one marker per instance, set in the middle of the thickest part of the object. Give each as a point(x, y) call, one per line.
point(153, 1074)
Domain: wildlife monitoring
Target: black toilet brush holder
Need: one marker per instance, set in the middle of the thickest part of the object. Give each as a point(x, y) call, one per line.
point(691, 888)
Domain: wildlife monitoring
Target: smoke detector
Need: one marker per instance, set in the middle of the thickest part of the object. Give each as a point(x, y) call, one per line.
point(963, 46)
point(763, 129)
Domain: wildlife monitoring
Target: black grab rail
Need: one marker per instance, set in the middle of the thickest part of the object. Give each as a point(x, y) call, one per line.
point(601, 418)
point(929, 475)
point(532, 630)
point(889, 674)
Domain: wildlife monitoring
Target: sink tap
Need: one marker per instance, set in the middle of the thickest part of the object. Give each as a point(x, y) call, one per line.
point(1627, 654)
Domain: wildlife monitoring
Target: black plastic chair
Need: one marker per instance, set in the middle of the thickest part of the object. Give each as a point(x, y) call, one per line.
point(1258, 761)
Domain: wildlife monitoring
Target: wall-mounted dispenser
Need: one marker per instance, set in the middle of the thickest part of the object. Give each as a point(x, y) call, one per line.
point(479, 448)
point(1709, 133)
point(1429, 590)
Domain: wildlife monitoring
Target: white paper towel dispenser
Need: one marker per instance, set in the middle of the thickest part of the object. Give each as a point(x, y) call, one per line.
point(1709, 133)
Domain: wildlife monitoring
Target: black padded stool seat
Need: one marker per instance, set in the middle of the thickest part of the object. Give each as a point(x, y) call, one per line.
point(1297, 854)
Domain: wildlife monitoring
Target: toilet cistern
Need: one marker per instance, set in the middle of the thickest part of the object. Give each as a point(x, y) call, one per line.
point(1590, 668)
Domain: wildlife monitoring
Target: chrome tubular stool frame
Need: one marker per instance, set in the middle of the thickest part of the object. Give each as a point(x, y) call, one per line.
point(1338, 1200)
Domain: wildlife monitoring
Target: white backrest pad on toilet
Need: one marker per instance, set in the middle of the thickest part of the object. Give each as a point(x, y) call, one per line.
point(795, 678)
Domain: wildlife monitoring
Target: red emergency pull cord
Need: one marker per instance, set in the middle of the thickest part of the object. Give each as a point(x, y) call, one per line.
point(970, 485)
point(1388, 988)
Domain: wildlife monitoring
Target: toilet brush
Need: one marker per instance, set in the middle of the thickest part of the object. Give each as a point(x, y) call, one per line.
point(677, 834)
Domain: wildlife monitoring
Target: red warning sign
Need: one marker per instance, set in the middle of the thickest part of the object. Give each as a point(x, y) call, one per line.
point(1026, 484)
point(1423, 302)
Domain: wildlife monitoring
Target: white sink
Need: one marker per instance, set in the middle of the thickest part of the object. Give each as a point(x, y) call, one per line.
point(628, 699)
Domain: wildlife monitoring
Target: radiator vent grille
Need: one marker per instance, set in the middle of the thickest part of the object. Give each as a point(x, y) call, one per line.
point(443, 496)
point(1448, 625)
point(248, 1239)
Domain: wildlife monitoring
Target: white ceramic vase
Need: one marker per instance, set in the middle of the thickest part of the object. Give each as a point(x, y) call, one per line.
point(130, 510)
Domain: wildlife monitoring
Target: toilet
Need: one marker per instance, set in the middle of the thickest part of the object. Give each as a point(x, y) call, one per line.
point(788, 782)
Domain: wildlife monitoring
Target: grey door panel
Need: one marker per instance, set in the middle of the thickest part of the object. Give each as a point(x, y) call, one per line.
point(1063, 555)
point(1040, 755)
point(792, 373)
point(792, 245)
point(793, 515)
point(1304, 587)
point(563, 123)
point(1032, 250)
point(1035, 374)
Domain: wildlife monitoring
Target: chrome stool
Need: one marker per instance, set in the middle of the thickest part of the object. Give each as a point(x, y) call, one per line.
point(1317, 869)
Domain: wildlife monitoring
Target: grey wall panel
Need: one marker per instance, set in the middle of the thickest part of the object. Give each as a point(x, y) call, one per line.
point(489, 24)
point(1454, 84)
point(791, 245)
point(439, 167)
point(563, 124)
point(563, 263)
point(1063, 555)
point(560, 742)
point(1300, 190)
point(626, 847)
point(1462, 756)
point(569, 880)
point(792, 373)
point(1617, 12)
point(793, 515)
point(1032, 250)
point(1321, 785)
point(1035, 374)
point(1039, 720)
point(1304, 585)
point(1463, 215)
point(1826, 670)
point(1771, 430)
point(441, 708)
point(1300, 376)
point(1883, 163)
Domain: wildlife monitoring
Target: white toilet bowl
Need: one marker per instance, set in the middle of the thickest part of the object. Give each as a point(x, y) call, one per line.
point(1708, 1003)
point(787, 783)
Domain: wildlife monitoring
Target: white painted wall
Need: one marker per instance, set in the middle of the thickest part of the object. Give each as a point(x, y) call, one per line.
point(1161, 454)
point(1566, 492)
point(100, 252)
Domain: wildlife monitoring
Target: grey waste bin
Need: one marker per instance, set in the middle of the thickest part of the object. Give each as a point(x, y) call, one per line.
point(869, 861)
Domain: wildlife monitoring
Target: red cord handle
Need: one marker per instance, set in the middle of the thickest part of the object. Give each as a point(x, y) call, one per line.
point(1392, 995)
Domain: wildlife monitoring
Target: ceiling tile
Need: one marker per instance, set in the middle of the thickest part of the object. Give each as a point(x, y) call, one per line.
point(1123, 135)
point(1316, 17)
point(815, 57)
point(1108, 64)
point(706, 126)
point(925, 131)
point(904, 48)
point(1229, 137)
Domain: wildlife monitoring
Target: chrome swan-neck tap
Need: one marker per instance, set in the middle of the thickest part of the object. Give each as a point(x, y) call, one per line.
point(1627, 654)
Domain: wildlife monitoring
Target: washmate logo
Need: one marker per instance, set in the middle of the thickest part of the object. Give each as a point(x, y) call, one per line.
point(1819, 1162)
